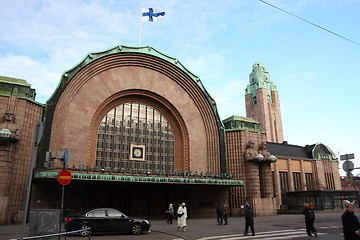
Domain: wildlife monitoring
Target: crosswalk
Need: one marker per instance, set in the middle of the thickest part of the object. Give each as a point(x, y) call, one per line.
point(273, 235)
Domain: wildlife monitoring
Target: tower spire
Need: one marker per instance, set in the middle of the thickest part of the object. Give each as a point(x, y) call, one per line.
point(262, 103)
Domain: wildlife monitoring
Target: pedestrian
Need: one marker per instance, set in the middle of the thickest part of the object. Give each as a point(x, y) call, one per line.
point(170, 214)
point(182, 215)
point(226, 212)
point(219, 213)
point(350, 223)
point(309, 220)
point(249, 220)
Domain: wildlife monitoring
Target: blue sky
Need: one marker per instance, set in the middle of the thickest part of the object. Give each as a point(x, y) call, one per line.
point(316, 72)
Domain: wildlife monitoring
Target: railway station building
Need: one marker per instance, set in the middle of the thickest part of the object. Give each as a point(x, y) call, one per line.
point(138, 131)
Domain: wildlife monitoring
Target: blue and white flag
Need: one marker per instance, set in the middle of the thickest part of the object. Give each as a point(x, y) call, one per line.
point(151, 14)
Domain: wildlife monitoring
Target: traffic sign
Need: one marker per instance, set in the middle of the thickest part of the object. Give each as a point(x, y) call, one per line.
point(348, 166)
point(347, 156)
point(64, 177)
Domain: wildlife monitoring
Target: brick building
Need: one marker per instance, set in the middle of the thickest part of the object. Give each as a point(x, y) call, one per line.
point(19, 112)
point(143, 132)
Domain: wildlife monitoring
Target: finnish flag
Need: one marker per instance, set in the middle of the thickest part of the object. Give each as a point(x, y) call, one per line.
point(151, 14)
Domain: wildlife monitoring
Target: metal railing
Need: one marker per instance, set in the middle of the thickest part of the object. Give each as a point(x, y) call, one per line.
point(55, 234)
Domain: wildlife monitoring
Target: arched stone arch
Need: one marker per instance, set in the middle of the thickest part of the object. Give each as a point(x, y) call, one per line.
point(102, 76)
point(157, 102)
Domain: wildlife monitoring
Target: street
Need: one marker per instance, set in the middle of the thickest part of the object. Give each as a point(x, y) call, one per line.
point(270, 227)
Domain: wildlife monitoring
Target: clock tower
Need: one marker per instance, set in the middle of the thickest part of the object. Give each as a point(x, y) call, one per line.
point(262, 103)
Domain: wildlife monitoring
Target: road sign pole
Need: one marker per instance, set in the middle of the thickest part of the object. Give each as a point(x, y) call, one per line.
point(65, 160)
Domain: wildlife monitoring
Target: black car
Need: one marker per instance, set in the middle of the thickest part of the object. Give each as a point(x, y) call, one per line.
point(105, 220)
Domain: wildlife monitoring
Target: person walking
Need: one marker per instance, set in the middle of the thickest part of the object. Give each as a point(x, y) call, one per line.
point(309, 220)
point(226, 212)
point(170, 214)
point(249, 220)
point(182, 215)
point(219, 213)
point(350, 223)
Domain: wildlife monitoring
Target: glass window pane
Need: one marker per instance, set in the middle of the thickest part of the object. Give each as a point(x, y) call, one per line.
point(139, 124)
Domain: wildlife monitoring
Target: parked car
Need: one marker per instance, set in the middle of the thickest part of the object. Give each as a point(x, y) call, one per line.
point(105, 220)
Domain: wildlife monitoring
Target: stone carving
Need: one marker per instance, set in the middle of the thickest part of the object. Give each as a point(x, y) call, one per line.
point(8, 128)
point(250, 152)
point(263, 150)
point(267, 156)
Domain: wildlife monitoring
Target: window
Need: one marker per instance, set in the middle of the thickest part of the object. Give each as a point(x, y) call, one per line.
point(309, 181)
point(297, 181)
point(113, 213)
point(135, 123)
point(284, 182)
point(96, 213)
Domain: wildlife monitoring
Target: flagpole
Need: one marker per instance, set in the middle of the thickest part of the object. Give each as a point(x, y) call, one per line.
point(140, 33)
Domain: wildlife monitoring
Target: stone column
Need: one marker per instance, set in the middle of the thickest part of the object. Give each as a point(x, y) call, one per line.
point(304, 186)
point(291, 177)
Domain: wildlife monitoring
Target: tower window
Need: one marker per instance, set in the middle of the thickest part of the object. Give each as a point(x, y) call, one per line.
point(254, 100)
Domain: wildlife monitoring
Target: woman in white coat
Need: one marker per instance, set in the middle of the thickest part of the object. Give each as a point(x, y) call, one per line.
point(182, 215)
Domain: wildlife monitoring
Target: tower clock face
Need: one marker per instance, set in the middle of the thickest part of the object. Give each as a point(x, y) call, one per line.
point(266, 77)
point(137, 152)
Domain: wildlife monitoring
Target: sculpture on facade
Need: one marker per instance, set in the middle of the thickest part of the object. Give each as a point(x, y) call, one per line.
point(250, 152)
point(8, 129)
point(267, 156)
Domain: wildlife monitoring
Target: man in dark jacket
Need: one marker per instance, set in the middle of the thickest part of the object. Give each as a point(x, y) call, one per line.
point(309, 220)
point(350, 223)
point(249, 220)
point(219, 213)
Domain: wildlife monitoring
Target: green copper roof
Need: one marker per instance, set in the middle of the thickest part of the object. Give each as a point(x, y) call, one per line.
point(91, 57)
point(321, 151)
point(16, 81)
point(142, 179)
point(16, 87)
point(260, 78)
point(240, 118)
point(235, 123)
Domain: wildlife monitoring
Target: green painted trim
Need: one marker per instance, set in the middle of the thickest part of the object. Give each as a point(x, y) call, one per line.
point(142, 179)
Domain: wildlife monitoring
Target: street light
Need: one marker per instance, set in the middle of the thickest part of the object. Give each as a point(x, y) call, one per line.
point(272, 158)
point(5, 133)
point(260, 157)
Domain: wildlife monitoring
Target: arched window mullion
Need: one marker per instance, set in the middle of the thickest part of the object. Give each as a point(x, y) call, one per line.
point(135, 124)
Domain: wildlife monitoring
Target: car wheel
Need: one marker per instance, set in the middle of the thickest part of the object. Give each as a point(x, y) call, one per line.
point(136, 229)
point(85, 232)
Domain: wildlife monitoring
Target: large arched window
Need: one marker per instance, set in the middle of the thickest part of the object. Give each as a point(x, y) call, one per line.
point(135, 136)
